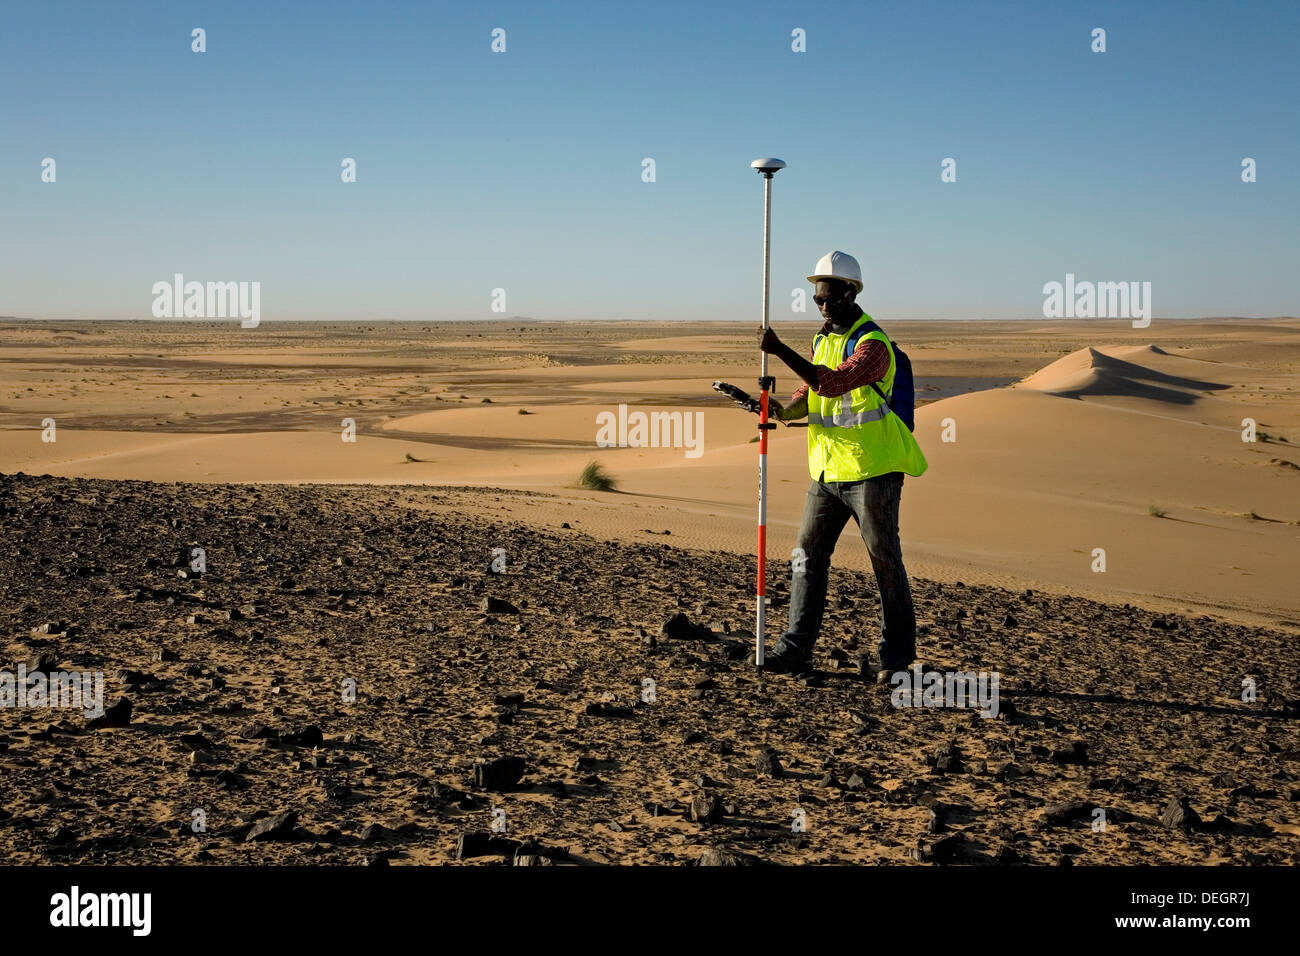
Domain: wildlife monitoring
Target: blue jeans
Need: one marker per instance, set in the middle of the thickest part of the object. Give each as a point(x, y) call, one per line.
point(873, 504)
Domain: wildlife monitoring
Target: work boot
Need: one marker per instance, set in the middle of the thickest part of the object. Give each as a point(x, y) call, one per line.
point(886, 674)
point(897, 664)
point(786, 659)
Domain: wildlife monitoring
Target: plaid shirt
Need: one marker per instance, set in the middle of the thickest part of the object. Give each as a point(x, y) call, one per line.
point(868, 363)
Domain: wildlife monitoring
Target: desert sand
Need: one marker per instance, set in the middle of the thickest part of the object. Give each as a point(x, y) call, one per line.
point(520, 687)
point(523, 691)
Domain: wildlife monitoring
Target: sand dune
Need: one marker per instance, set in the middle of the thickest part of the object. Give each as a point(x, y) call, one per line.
point(1125, 373)
point(1131, 450)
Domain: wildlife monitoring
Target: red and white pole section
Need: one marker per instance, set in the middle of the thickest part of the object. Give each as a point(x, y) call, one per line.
point(765, 384)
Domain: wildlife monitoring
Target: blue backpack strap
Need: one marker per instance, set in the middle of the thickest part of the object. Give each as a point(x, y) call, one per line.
point(865, 329)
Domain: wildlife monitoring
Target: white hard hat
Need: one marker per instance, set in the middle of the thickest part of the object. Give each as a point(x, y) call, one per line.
point(838, 265)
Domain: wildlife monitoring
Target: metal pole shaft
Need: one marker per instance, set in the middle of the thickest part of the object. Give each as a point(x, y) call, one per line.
point(767, 242)
point(760, 636)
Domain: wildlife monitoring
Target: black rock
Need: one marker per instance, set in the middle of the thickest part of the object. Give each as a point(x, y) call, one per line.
point(482, 843)
point(230, 780)
point(737, 650)
point(679, 627)
point(943, 850)
point(1252, 791)
point(609, 710)
point(195, 742)
point(1010, 621)
point(256, 731)
point(491, 605)
point(768, 763)
point(1179, 815)
point(533, 847)
point(116, 714)
point(1076, 753)
point(1006, 856)
point(1059, 814)
point(1004, 770)
point(309, 736)
point(62, 836)
point(500, 774)
point(44, 662)
point(1222, 823)
point(132, 678)
point(706, 809)
point(376, 833)
point(947, 758)
point(278, 827)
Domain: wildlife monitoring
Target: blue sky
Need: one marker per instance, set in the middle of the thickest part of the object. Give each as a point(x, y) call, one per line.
point(522, 170)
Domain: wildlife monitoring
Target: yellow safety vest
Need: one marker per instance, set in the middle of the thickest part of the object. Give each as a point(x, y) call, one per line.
point(855, 435)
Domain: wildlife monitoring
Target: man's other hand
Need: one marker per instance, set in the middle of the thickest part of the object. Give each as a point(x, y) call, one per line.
point(750, 404)
point(738, 395)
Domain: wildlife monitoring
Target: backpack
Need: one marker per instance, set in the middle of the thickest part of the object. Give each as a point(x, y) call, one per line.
point(902, 400)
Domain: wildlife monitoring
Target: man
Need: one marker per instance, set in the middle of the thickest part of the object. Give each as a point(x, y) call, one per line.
point(858, 451)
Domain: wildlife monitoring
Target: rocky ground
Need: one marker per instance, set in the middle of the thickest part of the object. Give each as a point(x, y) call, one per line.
point(516, 699)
